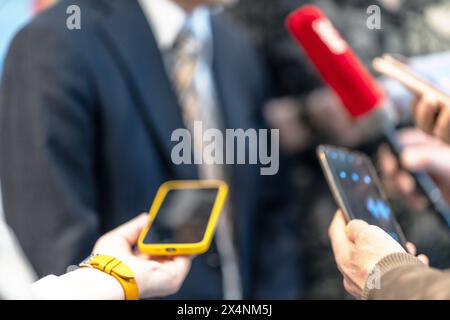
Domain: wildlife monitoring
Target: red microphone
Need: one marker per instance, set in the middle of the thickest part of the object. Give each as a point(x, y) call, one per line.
point(334, 60)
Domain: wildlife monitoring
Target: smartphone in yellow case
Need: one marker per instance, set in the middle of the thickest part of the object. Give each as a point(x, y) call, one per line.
point(183, 217)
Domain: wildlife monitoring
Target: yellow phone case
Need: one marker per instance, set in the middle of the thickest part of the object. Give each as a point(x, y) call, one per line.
point(168, 249)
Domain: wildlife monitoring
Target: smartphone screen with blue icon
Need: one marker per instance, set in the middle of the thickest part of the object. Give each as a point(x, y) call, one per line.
point(357, 189)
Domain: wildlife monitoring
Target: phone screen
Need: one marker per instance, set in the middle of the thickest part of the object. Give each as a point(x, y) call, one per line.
point(183, 216)
point(360, 190)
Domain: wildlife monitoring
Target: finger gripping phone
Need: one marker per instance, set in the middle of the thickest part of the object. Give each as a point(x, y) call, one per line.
point(356, 188)
point(183, 217)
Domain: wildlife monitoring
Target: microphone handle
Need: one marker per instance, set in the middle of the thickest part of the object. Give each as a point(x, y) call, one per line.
point(422, 179)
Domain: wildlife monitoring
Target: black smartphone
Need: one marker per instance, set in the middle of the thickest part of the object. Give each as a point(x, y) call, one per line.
point(356, 188)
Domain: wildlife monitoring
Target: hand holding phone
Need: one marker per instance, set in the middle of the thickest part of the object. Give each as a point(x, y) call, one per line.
point(432, 115)
point(356, 188)
point(431, 110)
point(396, 69)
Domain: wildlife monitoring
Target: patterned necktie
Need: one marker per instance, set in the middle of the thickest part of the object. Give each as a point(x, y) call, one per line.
point(185, 60)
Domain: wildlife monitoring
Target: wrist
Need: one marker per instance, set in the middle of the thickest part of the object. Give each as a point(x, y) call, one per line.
point(80, 284)
point(100, 284)
point(116, 269)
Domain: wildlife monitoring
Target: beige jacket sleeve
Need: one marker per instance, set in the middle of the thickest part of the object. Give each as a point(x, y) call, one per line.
point(404, 277)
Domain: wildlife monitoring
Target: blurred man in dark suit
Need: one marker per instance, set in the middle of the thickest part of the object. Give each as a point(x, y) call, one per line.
point(86, 123)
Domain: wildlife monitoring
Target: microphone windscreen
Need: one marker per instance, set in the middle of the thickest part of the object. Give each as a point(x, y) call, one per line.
point(334, 60)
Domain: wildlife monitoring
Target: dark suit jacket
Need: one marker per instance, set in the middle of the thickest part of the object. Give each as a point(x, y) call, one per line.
point(86, 120)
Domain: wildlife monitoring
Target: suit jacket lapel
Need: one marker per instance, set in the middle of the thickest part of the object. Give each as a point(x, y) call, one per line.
point(128, 33)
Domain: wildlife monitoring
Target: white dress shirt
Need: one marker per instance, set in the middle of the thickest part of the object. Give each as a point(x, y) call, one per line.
point(166, 20)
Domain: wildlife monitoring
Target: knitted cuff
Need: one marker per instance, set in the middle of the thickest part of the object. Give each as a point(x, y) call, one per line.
point(388, 263)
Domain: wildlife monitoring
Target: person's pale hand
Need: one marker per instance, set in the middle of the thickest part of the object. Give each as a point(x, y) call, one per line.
point(421, 152)
point(397, 181)
point(285, 114)
point(330, 118)
point(358, 247)
point(156, 276)
point(432, 116)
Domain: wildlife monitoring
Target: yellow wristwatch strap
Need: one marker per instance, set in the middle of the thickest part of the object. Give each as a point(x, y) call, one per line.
point(117, 269)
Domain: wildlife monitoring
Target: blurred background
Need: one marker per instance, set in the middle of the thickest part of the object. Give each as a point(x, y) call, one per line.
point(413, 28)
